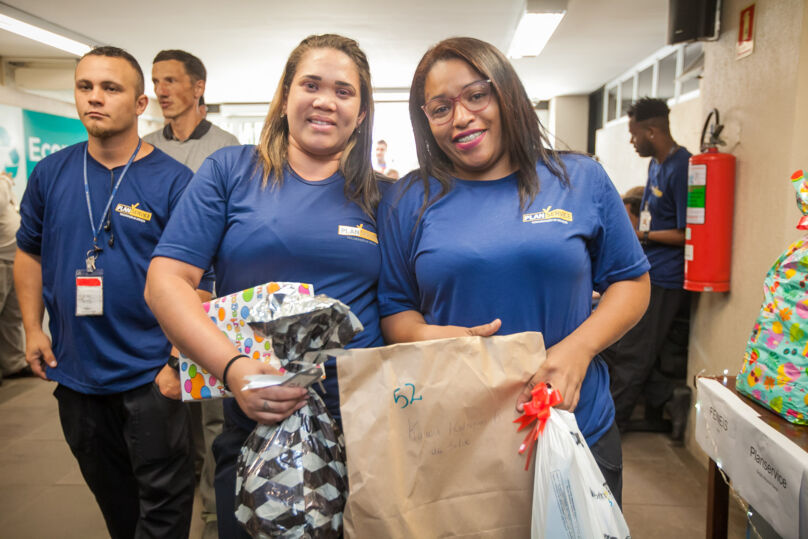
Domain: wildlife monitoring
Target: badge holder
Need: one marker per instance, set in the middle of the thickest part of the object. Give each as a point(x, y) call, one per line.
point(645, 221)
point(90, 288)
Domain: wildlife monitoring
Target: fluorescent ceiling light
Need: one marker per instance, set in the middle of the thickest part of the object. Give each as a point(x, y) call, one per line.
point(533, 33)
point(43, 36)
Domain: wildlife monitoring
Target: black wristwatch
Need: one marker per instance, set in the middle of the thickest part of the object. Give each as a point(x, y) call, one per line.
point(644, 240)
point(174, 363)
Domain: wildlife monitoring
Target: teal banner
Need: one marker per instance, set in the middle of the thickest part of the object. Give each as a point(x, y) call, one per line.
point(47, 133)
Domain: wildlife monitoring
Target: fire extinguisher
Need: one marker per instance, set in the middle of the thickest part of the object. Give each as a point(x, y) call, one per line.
point(710, 204)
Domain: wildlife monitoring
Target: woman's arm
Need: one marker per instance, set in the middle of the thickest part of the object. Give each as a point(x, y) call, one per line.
point(410, 326)
point(620, 308)
point(170, 293)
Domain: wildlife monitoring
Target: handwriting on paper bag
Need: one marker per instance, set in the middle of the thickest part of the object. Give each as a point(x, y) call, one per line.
point(448, 436)
point(405, 397)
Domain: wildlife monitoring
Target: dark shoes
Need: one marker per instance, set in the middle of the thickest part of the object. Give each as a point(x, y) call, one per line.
point(678, 407)
point(652, 422)
point(649, 425)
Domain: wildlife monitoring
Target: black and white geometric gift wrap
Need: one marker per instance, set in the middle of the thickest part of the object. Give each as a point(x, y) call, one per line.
point(291, 479)
point(298, 325)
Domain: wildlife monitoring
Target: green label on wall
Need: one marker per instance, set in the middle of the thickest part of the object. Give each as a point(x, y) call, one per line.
point(47, 133)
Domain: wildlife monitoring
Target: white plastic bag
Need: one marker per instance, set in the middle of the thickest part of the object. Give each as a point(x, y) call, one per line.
point(570, 496)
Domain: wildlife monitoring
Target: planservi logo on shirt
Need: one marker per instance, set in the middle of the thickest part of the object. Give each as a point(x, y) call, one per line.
point(133, 212)
point(358, 232)
point(548, 215)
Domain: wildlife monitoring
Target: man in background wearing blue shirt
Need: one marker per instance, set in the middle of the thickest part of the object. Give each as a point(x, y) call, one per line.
point(642, 362)
point(92, 214)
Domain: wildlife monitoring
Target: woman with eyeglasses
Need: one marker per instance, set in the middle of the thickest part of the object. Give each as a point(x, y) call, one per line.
point(275, 212)
point(497, 233)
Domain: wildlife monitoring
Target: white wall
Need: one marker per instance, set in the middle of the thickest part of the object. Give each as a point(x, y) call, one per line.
point(617, 155)
point(568, 122)
point(16, 98)
point(765, 110)
point(392, 124)
point(763, 101)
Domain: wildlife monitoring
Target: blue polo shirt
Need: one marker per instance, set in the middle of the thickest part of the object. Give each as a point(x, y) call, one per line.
point(299, 231)
point(125, 347)
point(475, 256)
point(665, 197)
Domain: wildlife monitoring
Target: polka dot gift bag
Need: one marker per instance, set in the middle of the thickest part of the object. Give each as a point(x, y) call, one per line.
point(775, 367)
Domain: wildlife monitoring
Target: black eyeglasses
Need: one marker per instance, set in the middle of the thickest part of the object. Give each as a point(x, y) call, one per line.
point(474, 97)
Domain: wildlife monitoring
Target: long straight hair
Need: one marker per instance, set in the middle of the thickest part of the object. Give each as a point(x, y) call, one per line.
point(273, 145)
point(523, 136)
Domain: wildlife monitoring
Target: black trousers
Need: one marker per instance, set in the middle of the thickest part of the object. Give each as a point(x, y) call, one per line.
point(134, 452)
point(608, 453)
point(635, 360)
point(226, 450)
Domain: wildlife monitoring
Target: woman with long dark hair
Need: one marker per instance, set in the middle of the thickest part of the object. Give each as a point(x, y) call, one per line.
point(274, 212)
point(498, 233)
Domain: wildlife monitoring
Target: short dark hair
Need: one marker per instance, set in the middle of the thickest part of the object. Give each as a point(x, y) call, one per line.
point(382, 141)
point(193, 65)
point(116, 52)
point(646, 108)
point(633, 203)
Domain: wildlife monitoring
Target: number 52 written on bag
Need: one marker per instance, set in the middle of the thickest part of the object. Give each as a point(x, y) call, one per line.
point(400, 396)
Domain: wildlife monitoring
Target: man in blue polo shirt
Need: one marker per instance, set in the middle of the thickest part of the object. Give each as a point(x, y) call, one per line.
point(92, 214)
point(636, 360)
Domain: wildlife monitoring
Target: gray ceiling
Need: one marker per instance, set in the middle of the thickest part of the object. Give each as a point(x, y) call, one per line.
point(244, 43)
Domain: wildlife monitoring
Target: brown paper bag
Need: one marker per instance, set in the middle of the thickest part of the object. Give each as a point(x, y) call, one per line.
point(431, 444)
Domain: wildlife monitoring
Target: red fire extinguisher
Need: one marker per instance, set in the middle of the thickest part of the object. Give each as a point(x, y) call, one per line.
point(710, 204)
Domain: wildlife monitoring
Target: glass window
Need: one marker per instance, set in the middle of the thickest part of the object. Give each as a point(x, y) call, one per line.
point(694, 57)
point(645, 82)
point(693, 66)
point(691, 84)
point(667, 77)
point(626, 95)
point(611, 109)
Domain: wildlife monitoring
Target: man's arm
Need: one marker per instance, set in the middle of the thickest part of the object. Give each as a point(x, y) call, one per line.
point(673, 236)
point(28, 285)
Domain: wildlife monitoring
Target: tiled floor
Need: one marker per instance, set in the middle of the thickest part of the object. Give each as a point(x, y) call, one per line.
point(42, 493)
point(665, 490)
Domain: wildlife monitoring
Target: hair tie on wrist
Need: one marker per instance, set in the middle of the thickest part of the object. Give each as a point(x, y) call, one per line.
point(227, 368)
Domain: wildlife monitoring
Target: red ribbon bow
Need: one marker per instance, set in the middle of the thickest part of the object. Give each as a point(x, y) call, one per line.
point(538, 410)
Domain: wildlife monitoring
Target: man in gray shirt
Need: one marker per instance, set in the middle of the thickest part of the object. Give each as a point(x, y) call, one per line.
point(179, 83)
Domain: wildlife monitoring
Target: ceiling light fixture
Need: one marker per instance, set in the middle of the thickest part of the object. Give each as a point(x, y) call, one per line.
point(43, 36)
point(35, 28)
point(539, 20)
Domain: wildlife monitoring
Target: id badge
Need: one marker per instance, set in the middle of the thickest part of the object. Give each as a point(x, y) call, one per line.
point(90, 293)
point(645, 221)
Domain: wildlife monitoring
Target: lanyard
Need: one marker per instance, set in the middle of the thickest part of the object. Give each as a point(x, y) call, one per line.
point(97, 230)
